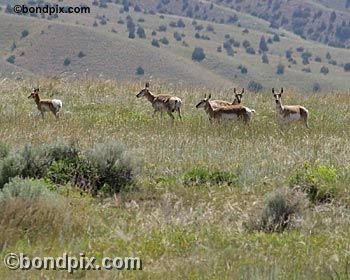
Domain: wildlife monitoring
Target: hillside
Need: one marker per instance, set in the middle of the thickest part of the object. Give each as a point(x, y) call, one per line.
point(323, 21)
point(122, 42)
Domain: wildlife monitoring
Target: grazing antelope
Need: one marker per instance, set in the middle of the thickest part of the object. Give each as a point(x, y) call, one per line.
point(46, 105)
point(162, 103)
point(290, 113)
point(232, 112)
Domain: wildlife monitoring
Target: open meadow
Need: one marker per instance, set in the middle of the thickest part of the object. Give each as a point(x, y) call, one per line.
point(210, 201)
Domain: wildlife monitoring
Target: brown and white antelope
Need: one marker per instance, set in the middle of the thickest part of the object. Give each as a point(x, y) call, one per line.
point(290, 113)
point(220, 103)
point(162, 103)
point(228, 112)
point(46, 105)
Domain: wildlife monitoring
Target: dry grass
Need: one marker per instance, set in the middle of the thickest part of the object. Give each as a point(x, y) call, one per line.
point(193, 231)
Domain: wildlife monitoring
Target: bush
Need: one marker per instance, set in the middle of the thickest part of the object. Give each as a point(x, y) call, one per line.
point(180, 23)
point(250, 50)
point(81, 54)
point(317, 181)
point(10, 166)
point(263, 45)
point(4, 150)
point(316, 87)
point(24, 188)
point(141, 32)
point(244, 70)
point(38, 159)
point(324, 70)
point(66, 62)
point(347, 67)
point(280, 69)
point(13, 46)
point(114, 167)
point(255, 86)
point(140, 71)
point(11, 59)
point(131, 35)
point(177, 36)
point(265, 58)
point(28, 208)
point(155, 43)
point(164, 41)
point(276, 38)
point(24, 33)
point(280, 211)
point(101, 171)
point(198, 54)
point(162, 28)
point(202, 177)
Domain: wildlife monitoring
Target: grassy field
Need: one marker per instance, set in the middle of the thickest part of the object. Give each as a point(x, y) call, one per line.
point(181, 230)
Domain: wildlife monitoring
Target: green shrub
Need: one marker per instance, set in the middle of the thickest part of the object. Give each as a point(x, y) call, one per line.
point(114, 168)
point(199, 177)
point(28, 189)
point(28, 209)
point(4, 150)
point(38, 159)
point(279, 212)
point(10, 166)
point(104, 170)
point(319, 182)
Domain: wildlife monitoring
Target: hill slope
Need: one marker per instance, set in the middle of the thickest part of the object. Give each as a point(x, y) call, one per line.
point(98, 44)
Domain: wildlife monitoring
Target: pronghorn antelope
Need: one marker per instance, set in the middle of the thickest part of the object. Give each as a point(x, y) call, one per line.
point(290, 113)
point(162, 103)
point(215, 104)
point(232, 112)
point(221, 103)
point(46, 105)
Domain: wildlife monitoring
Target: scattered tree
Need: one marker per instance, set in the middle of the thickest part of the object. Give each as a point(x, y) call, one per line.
point(255, 86)
point(140, 71)
point(81, 54)
point(262, 45)
point(280, 69)
point(265, 58)
point(66, 62)
point(324, 70)
point(164, 41)
point(276, 38)
point(155, 43)
point(316, 87)
point(13, 47)
point(347, 67)
point(198, 54)
point(24, 33)
point(162, 28)
point(141, 32)
point(11, 59)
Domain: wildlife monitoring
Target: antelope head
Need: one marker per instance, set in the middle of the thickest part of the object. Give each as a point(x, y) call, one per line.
point(35, 92)
point(203, 102)
point(238, 96)
point(277, 95)
point(144, 91)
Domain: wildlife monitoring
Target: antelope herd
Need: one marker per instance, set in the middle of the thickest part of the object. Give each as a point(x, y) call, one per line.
point(217, 110)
